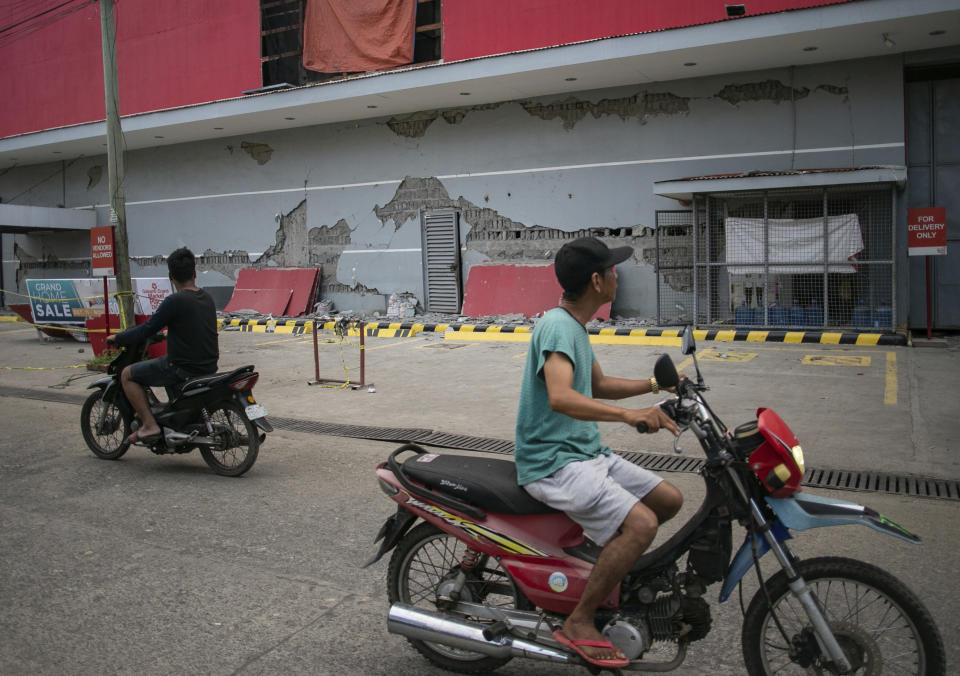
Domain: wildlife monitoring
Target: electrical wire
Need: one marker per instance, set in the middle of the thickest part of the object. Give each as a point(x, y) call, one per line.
point(28, 25)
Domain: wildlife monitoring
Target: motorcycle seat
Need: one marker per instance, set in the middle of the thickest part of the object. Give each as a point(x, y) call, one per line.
point(487, 483)
point(213, 379)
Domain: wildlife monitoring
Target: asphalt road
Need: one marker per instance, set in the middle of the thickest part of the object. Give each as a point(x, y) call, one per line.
point(154, 565)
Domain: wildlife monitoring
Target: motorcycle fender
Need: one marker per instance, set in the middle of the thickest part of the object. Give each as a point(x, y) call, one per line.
point(391, 531)
point(802, 512)
point(744, 559)
point(102, 383)
point(263, 424)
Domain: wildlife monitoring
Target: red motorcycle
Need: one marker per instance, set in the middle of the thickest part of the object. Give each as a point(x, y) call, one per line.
point(490, 573)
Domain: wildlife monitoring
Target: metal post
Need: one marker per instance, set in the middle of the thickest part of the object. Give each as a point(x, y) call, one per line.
point(696, 236)
point(766, 258)
point(316, 354)
point(106, 307)
point(709, 269)
point(826, 261)
point(363, 352)
point(926, 265)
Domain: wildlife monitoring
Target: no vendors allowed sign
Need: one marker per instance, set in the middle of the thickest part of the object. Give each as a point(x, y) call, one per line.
point(927, 231)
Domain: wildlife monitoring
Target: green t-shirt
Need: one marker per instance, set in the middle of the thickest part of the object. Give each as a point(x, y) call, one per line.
point(547, 440)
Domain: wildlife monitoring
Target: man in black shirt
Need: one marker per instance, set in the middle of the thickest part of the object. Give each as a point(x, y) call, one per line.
point(192, 350)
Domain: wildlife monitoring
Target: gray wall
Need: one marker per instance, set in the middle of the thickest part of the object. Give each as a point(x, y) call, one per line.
point(348, 195)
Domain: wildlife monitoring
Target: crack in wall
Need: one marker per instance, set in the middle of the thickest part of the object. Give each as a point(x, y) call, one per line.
point(642, 105)
point(415, 125)
point(768, 90)
point(494, 235)
point(94, 174)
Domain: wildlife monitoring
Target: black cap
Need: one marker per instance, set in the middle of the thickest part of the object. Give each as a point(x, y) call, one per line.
point(578, 260)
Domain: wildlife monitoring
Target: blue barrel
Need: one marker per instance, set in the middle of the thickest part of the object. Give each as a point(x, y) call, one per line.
point(813, 315)
point(743, 315)
point(796, 314)
point(777, 315)
point(860, 317)
point(883, 317)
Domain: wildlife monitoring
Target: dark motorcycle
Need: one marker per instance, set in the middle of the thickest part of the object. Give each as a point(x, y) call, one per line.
point(490, 573)
point(216, 413)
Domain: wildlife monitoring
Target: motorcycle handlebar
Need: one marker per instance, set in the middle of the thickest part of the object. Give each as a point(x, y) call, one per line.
point(643, 428)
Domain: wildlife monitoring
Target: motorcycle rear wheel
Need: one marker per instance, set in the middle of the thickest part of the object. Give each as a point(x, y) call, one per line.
point(104, 439)
point(424, 557)
point(879, 622)
point(239, 443)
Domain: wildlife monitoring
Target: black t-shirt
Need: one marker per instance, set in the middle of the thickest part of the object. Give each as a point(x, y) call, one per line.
point(191, 321)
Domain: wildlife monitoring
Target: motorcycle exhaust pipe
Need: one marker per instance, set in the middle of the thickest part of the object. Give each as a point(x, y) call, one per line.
point(425, 625)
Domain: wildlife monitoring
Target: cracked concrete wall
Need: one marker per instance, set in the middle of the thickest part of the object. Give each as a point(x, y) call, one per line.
point(525, 175)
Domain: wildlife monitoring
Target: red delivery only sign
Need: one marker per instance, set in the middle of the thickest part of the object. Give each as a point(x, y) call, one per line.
point(101, 251)
point(927, 231)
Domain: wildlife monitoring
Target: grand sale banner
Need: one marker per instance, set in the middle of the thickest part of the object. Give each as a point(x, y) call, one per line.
point(68, 303)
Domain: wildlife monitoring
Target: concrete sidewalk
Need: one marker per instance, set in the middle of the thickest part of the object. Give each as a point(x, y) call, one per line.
point(854, 407)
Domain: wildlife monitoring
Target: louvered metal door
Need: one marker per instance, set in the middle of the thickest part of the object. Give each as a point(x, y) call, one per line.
point(441, 261)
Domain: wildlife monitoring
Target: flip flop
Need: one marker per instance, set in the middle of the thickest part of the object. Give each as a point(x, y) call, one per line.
point(135, 438)
point(575, 645)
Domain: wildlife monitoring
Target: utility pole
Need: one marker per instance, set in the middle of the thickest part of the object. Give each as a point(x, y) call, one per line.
point(118, 212)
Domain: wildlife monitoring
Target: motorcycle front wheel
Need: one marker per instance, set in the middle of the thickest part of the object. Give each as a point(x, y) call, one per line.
point(426, 557)
point(879, 623)
point(237, 441)
point(103, 426)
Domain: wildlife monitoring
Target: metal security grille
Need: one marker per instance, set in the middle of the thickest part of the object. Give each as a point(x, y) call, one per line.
point(811, 258)
point(674, 267)
point(441, 261)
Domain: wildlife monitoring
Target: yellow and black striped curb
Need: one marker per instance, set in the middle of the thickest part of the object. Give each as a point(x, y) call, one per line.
point(305, 326)
point(598, 335)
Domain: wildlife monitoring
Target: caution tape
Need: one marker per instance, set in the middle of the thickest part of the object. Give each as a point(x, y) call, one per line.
point(42, 368)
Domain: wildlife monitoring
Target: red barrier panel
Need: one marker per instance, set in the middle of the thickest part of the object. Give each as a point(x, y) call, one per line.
point(281, 292)
point(509, 289)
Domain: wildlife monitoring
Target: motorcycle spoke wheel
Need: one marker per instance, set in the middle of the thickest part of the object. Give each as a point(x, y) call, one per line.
point(103, 427)
point(426, 557)
point(879, 623)
point(237, 442)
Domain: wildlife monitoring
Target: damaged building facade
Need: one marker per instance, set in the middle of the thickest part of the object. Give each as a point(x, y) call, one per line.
point(650, 131)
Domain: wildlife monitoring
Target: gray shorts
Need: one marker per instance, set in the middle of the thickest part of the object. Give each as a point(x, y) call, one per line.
point(157, 372)
point(597, 494)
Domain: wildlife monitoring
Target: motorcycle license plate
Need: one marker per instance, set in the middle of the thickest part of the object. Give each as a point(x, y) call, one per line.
point(255, 411)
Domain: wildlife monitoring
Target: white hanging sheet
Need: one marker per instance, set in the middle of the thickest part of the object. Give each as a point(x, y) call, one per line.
point(793, 242)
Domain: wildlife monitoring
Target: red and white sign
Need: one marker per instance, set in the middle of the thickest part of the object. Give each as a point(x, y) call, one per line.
point(101, 251)
point(927, 231)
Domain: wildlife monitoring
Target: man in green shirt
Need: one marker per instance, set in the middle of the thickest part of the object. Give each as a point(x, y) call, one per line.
point(560, 460)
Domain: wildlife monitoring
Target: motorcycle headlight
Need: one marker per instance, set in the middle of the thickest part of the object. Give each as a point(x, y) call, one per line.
point(797, 453)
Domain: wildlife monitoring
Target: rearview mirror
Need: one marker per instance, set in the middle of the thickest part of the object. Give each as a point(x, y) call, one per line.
point(665, 372)
point(688, 345)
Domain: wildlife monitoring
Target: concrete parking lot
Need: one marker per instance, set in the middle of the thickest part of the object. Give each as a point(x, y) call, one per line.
point(155, 565)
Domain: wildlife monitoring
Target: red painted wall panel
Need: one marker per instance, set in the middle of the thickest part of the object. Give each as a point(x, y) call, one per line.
point(472, 29)
point(494, 289)
point(170, 53)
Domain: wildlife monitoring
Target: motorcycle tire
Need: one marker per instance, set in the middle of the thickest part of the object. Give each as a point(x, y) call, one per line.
point(424, 557)
point(239, 442)
point(878, 621)
point(106, 440)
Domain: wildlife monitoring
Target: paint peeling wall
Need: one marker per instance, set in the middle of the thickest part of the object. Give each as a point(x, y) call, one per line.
point(525, 176)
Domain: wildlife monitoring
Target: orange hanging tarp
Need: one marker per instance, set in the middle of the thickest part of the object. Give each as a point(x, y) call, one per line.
point(348, 36)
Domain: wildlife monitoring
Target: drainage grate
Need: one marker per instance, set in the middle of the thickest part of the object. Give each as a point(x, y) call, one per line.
point(877, 482)
point(398, 434)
